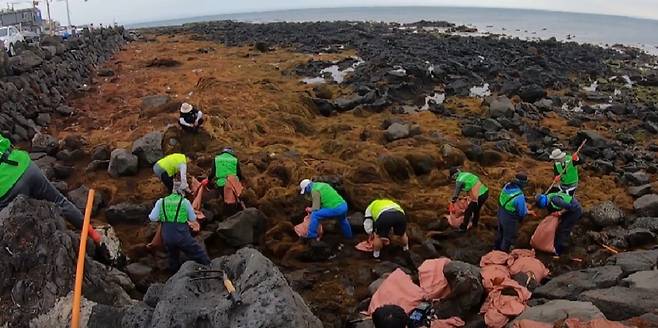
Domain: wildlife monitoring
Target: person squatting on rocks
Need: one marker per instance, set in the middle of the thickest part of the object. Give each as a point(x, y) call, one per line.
point(20, 176)
point(478, 194)
point(569, 211)
point(225, 167)
point(511, 212)
point(327, 203)
point(390, 316)
point(167, 167)
point(565, 171)
point(190, 119)
point(174, 212)
point(382, 216)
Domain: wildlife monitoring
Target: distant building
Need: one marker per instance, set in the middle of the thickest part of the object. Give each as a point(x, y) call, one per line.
point(28, 19)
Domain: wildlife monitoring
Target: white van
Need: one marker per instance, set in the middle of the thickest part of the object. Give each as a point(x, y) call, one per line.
point(9, 35)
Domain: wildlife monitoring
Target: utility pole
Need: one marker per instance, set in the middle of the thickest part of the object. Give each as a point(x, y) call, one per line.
point(50, 21)
point(68, 15)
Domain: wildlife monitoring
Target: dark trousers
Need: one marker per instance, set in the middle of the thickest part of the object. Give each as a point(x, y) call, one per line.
point(563, 234)
point(168, 181)
point(177, 238)
point(35, 185)
point(190, 128)
point(472, 213)
point(508, 226)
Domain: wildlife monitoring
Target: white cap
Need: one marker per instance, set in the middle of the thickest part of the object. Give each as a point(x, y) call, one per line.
point(186, 108)
point(557, 154)
point(303, 185)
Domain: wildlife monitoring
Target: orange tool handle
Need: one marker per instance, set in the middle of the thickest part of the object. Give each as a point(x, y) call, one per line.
point(80, 270)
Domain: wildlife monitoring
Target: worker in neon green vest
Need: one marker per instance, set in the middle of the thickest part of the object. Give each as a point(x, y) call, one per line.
point(569, 210)
point(565, 170)
point(167, 167)
point(20, 176)
point(478, 192)
point(512, 209)
point(174, 212)
point(226, 164)
point(382, 216)
point(327, 203)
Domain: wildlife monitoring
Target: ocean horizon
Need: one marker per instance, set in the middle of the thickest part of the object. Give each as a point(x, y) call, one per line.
point(598, 29)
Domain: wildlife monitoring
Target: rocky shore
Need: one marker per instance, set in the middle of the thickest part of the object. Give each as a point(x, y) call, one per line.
point(375, 109)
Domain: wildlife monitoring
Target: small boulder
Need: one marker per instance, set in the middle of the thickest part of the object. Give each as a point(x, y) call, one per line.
point(639, 191)
point(397, 167)
point(453, 156)
point(122, 163)
point(631, 262)
point(500, 107)
point(607, 214)
point(127, 213)
point(637, 178)
point(138, 272)
point(571, 284)
point(148, 148)
point(621, 303)
point(25, 62)
point(639, 237)
point(65, 110)
point(465, 284)
point(531, 93)
point(647, 205)
point(397, 131)
point(648, 223)
point(101, 153)
point(44, 143)
point(558, 310)
point(643, 280)
point(243, 228)
point(105, 72)
point(79, 198)
point(421, 164)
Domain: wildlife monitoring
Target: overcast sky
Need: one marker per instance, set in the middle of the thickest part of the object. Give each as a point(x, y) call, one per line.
point(135, 11)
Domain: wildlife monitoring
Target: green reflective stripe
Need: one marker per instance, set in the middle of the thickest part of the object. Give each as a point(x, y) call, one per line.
point(470, 180)
point(566, 197)
point(10, 174)
point(173, 210)
point(225, 165)
point(506, 200)
point(329, 197)
point(377, 207)
point(171, 162)
point(570, 175)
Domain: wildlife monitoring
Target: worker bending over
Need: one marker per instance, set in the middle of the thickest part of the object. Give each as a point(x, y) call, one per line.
point(511, 212)
point(174, 212)
point(327, 203)
point(20, 176)
point(382, 216)
point(167, 167)
point(190, 119)
point(565, 171)
point(226, 173)
point(569, 211)
point(478, 194)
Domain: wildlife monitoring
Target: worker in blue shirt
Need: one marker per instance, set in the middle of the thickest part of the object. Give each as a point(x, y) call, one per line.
point(569, 211)
point(174, 212)
point(512, 210)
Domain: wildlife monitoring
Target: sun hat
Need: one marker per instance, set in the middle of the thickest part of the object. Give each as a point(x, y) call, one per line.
point(557, 154)
point(186, 108)
point(303, 185)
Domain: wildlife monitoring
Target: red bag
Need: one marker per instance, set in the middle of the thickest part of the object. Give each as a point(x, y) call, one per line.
point(544, 237)
point(456, 216)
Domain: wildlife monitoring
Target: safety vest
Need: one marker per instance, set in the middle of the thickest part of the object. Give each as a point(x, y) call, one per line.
point(506, 200)
point(171, 162)
point(225, 165)
point(470, 180)
point(377, 207)
point(570, 175)
point(172, 210)
point(13, 164)
point(329, 197)
point(566, 197)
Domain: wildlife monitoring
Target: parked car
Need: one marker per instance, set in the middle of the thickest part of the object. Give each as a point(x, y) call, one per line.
point(9, 35)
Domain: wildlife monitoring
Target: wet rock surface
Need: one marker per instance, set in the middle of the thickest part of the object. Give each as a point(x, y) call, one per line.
point(40, 259)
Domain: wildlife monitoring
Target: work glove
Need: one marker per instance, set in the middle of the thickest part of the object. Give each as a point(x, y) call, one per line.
point(185, 187)
point(575, 157)
point(557, 179)
point(205, 182)
point(102, 254)
point(532, 213)
point(308, 210)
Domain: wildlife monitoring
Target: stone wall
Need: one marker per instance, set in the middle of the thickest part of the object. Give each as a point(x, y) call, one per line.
point(35, 83)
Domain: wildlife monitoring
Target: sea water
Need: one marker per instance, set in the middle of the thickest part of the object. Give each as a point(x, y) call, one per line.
point(526, 24)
